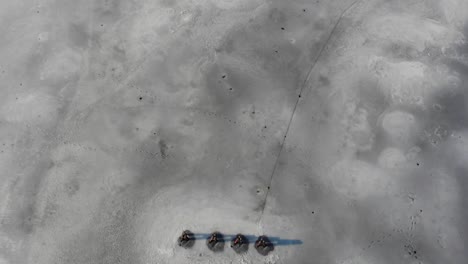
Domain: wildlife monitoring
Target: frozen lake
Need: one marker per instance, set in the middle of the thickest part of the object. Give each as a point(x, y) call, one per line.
point(339, 128)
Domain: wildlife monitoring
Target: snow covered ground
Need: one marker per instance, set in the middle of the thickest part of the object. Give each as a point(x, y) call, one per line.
point(341, 124)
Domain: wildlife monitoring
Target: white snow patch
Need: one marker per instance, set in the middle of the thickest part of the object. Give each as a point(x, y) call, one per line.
point(357, 179)
point(402, 82)
point(3, 261)
point(455, 11)
point(61, 66)
point(411, 29)
point(181, 207)
point(458, 144)
point(399, 125)
point(359, 134)
point(392, 158)
point(31, 108)
point(236, 4)
point(360, 259)
point(43, 37)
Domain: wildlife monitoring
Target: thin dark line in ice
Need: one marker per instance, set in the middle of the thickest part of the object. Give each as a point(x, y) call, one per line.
point(297, 103)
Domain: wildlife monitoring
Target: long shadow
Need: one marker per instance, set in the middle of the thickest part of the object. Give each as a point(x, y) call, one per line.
point(276, 241)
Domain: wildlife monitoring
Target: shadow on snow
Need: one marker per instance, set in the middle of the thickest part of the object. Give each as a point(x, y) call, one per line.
point(276, 241)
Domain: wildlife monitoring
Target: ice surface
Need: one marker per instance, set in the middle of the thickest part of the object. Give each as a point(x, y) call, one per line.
point(338, 128)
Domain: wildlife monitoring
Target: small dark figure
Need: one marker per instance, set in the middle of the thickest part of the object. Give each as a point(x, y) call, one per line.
point(186, 240)
point(237, 241)
point(240, 243)
point(213, 238)
point(263, 245)
point(215, 242)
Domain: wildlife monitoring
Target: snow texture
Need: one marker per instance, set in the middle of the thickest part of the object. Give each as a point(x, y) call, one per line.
point(337, 128)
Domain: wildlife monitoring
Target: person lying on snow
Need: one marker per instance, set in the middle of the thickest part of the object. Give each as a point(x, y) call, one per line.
point(213, 238)
point(186, 240)
point(237, 241)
